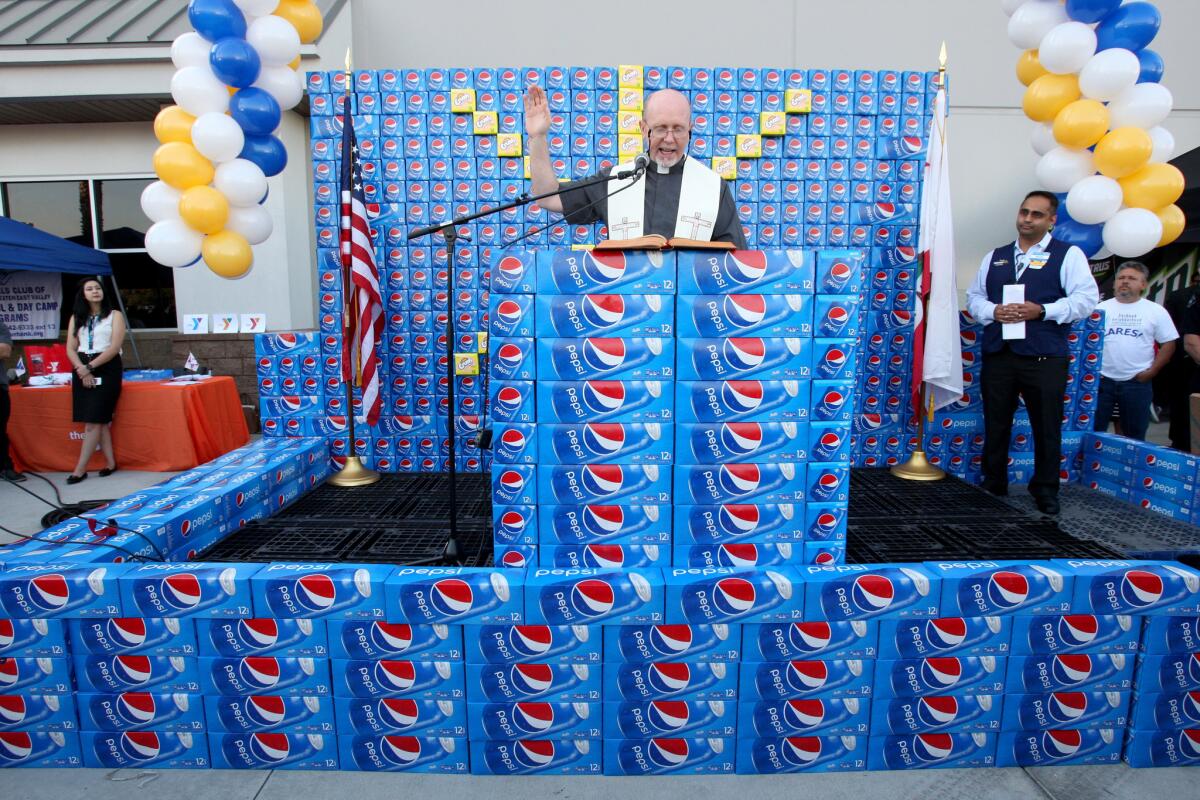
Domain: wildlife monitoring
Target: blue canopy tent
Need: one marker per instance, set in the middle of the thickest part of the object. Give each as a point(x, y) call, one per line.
point(24, 247)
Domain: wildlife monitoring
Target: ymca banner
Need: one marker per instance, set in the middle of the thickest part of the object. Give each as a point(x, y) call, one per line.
point(30, 303)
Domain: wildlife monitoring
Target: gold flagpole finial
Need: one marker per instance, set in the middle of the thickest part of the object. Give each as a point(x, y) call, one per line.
point(942, 57)
point(348, 60)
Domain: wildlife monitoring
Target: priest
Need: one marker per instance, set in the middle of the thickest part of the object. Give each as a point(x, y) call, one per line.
point(677, 197)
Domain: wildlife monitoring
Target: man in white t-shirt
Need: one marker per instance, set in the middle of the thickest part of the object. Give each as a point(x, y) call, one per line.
point(1132, 326)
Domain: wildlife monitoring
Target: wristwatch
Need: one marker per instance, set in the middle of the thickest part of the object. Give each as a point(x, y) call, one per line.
point(1041, 314)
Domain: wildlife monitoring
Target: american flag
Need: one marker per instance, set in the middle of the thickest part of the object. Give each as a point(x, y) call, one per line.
point(363, 321)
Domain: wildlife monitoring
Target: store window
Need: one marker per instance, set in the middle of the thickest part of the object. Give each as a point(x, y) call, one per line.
point(104, 213)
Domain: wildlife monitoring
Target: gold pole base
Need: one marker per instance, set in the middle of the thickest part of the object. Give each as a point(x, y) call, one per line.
point(354, 474)
point(918, 468)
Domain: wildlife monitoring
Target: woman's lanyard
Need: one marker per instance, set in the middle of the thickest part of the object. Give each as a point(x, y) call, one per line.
point(91, 330)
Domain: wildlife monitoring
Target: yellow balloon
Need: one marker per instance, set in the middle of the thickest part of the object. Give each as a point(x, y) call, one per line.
point(1123, 152)
point(1173, 222)
point(1153, 186)
point(227, 253)
point(204, 209)
point(1049, 95)
point(1029, 68)
point(294, 63)
point(304, 16)
point(181, 165)
point(1081, 124)
point(173, 124)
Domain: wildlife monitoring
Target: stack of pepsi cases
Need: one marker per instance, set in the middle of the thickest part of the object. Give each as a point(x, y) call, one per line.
point(766, 387)
point(1164, 728)
point(1147, 475)
point(186, 513)
point(816, 158)
point(596, 405)
point(411, 432)
point(39, 723)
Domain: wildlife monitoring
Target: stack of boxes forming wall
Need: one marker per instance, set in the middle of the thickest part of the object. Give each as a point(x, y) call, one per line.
point(573, 671)
point(816, 159)
point(1147, 475)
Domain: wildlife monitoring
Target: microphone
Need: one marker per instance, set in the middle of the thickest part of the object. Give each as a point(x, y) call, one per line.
point(640, 165)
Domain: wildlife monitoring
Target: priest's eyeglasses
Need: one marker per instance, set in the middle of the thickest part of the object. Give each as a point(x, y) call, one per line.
point(660, 131)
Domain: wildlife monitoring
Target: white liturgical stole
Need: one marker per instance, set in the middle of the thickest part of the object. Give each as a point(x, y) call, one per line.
point(699, 200)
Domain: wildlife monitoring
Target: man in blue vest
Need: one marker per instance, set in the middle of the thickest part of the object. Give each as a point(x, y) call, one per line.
point(1057, 288)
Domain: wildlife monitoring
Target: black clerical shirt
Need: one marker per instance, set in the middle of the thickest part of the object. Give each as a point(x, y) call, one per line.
point(662, 205)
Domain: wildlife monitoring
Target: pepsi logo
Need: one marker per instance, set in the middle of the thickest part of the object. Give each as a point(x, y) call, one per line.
point(741, 438)
point(604, 396)
point(132, 670)
point(128, 632)
point(1073, 669)
point(872, 593)
point(593, 597)
point(602, 480)
point(1061, 744)
point(733, 596)
point(141, 745)
point(941, 673)
point(1067, 707)
point(937, 711)
point(604, 439)
point(933, 746)
point(270, 748)
point(1078, 630)
point(745, 354)
point(740, 519)
point(451, 596)
point(1141, 589)
point(740, 479)
point(12, 710)
point(804, 714)
point(742, 396)
point(49, 592)
point(603, 310)
point(836, 317)
point(946, 633)
point(807, 676)
point(667, 753)
point(604, 354)
point(513, 440)
point(533, 718)
point(604, 268)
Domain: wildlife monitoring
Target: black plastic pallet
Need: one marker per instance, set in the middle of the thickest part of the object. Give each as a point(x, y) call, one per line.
point(878, 494)
point(398, 497)
point(406, 542)
point(874, 542)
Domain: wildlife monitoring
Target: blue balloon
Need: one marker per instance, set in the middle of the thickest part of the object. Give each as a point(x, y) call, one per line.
point(1152, 66)
point(216, 19)
point(255, 110)
point(1131, 27)
point(267, 152)
point(1088, 238)
point(235, 62)
point(1090, 11)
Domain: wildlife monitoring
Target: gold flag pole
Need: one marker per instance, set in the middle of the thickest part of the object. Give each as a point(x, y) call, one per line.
point(353, 473)
point(918, 468)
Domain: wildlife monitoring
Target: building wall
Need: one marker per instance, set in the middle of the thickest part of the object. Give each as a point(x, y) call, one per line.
point(991, 160)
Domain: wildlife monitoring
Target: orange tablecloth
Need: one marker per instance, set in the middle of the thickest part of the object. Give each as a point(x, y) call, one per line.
point(158, 426)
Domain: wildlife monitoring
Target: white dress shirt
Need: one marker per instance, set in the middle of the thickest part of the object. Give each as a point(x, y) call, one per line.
point(1075, 277)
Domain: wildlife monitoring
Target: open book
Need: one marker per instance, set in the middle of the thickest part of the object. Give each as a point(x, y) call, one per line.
point(657, 242)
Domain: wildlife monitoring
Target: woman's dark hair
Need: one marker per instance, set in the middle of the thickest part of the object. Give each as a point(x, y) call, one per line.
point(83, 309)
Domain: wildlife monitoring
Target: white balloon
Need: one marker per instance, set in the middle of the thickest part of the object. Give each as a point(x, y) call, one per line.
point(242, 182)
point(198, 91)
point(1063, 167)
point(1164, 145)
point(1132, 232)
point(253, 222)
point(1032, 21)
point(217, 137)
point(256, 8)
point(1108, 73)
point(1043, 138)
point(173, 244)
point(1067, 48)
point(1094, 200)
point(190, 50)
point(1144, 105)
point(282, 83)
point(160, 201)
point(275, 39)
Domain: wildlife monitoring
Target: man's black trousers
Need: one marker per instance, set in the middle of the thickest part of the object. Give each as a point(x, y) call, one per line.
point(1041, 381)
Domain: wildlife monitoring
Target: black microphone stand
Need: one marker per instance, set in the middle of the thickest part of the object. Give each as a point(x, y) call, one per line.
point(450, 233)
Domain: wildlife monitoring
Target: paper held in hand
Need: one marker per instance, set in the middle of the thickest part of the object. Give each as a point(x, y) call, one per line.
point(1013, 293)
